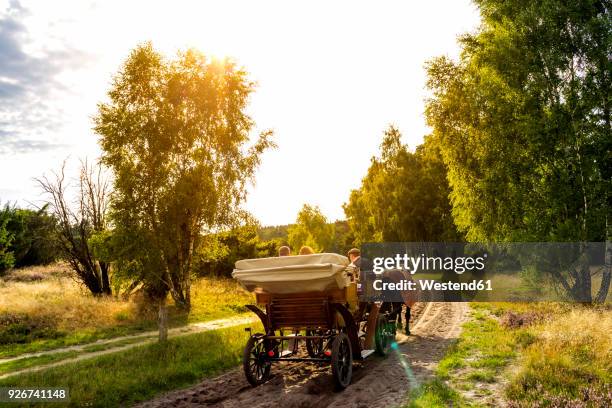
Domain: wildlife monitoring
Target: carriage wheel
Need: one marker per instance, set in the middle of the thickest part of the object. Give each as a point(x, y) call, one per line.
point(384, 336)
point(255, 361)
point(315, 346)
point(342, 361)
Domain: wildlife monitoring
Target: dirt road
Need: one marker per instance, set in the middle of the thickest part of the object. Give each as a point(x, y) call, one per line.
point(377, 382)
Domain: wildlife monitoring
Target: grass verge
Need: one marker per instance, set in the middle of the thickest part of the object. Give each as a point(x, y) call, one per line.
point(530, 355)
point(122, 379)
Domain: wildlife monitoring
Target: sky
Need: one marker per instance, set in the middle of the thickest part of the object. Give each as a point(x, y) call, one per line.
point(331, 77)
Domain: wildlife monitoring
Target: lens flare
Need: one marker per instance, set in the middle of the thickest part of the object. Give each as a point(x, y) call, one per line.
point(405, 365)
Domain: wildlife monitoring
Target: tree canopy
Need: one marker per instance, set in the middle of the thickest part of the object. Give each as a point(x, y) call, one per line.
point(175, 133)
point(523, 121)
point(523, 124)
point(312, 229)
point(403, 197)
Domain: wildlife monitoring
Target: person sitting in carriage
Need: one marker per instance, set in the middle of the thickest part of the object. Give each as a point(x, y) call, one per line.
point(284, 251)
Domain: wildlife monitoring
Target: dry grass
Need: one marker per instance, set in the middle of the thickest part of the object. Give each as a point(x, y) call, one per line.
point(216, 298)
point(52, 296)
point(44, 307)
point(586, 330)
point(569, 362)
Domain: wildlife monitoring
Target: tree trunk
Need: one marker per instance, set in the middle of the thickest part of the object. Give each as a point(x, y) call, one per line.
point(602, 294)
point(162, 321)
point(106, 288)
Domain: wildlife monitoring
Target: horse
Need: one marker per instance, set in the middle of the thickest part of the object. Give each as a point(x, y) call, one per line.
point(409, 298)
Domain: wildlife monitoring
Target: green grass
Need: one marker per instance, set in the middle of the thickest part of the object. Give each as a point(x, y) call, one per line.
point(23, 363)
point(483, 349)
point(561, 355)
point(101, 347)
point(35, 361)
point(479, 355)
point(124, 378)
point(83, 336)
point(216, 299)
point(435, 394)
point(482, 344)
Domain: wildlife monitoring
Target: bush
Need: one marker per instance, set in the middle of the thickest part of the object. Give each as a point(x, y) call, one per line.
point(27, 237)
point(7, 259)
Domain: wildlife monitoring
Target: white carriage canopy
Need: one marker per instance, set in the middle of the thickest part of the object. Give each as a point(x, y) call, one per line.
point(293, 274)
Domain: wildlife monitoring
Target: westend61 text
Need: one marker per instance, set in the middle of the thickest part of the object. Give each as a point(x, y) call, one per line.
point(431, 284)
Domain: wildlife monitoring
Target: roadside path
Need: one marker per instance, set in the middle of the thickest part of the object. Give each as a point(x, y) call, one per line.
point(117, 344)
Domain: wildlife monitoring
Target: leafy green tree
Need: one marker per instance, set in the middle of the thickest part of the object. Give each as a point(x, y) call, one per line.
point(523, 123)
point(311, 228)
point(7, 258)
point(174, 132)
point(343, 237)
point(27, 237)
point(403, 197)
point(34, 237)
point(217, 253)
point(41, 238)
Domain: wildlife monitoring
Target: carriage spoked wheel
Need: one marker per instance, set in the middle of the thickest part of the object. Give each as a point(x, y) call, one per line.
point(342, 361)
point(384, 336)
point(255, 361)
point(315, 347)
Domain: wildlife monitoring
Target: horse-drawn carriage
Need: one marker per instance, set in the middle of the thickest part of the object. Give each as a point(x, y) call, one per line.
point(311, 299)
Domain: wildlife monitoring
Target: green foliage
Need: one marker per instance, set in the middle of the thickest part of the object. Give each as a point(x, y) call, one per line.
point(343, 237)
point(27, 237)
point(403, 197)
point(278, 235)
point(175, 133)
point(7, 259)
point(217, 253)
point(127, 258)
point(523, 122)
point(311, 229)
point(35, 237)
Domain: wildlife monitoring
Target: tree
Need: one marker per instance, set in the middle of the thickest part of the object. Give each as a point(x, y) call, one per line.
point(311, 228)
point(523, 123)
point(34, 239)
point(174, 132)
point(403, 197)
point(217, 253)
point(7, 258)
point(75, 226)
